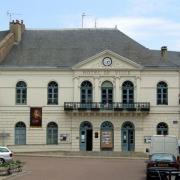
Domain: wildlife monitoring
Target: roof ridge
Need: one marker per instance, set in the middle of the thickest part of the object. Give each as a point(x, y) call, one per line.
point(66, 29)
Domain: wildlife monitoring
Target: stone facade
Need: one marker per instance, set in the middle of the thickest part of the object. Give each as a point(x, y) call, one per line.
point(69, 123)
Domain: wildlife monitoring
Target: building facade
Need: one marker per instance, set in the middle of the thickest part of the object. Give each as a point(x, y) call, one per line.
point(85, 90)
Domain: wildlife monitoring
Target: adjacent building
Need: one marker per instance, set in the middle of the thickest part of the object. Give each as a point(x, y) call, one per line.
point(85, 90)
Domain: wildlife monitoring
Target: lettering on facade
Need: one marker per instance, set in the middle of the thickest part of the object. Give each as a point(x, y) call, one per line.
point(104, 72)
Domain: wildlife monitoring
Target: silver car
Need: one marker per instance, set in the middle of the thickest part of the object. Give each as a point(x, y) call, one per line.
point(5, 155)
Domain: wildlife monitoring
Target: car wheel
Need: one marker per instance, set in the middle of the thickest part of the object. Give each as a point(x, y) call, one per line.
point(1, 161)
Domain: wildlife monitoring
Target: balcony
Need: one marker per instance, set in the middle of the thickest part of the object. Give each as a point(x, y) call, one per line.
point(116, 106)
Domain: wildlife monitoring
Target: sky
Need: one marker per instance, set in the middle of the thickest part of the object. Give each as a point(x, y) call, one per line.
point(152, 23)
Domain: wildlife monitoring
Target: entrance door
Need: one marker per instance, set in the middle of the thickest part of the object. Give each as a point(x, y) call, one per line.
point(127, 137)
point(85, 136)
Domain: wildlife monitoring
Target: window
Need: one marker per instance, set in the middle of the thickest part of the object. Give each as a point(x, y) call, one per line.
point(128, 92)
point(86, 92)
point(52, 93)
point(107, 92)
point(21, 93)
point(162, 93)
point(20, 133)
point(52, 133)
point(107, 126)
point(162, 129)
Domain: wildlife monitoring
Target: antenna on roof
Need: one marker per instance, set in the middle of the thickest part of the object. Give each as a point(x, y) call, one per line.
point(95, 22)
point(83, 15)
point(9, 13)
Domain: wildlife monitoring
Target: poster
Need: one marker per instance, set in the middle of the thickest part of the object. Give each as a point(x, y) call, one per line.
point(36, 117)
point(106, 139)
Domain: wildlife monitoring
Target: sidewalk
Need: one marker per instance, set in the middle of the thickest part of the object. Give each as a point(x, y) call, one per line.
point(102, 154)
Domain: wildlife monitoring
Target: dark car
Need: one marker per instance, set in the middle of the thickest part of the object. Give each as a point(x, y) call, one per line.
point(161, 164)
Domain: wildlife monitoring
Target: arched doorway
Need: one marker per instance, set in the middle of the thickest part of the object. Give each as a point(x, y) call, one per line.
point(107, 136)
point(86, 136)
point(127, 136)
point(52, 133)
point(20, 133)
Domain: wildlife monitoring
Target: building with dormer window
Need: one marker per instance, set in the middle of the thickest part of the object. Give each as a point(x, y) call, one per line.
point(85, 90)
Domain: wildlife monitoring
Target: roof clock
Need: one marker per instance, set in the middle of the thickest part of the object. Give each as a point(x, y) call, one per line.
point(107, 61)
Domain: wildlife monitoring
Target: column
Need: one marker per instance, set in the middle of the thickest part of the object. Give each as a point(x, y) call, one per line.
point(76, 90)
point(117, 90)
point(138, 89)
point(96, 90)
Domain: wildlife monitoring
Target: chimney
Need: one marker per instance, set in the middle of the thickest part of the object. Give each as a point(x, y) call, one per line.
point(17, 28)
point(163, 51)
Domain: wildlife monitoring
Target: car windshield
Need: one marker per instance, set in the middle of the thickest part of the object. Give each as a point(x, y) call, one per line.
point(3, 150)
point(162, 157)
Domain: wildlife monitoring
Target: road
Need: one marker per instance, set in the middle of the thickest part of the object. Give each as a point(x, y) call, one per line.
point(53, 168)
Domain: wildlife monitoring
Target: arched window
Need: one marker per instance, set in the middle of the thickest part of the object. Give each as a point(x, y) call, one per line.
point(21, 93)
point(162, 129)
point(86, 92)
point(128, 125)
point(128, 92)
point(107, 92)
point(52, 133)
point(20, 133)
point(162, 93)
point(52, 93)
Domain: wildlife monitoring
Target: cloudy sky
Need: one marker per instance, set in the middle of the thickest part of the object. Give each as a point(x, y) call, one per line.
point(152, 23)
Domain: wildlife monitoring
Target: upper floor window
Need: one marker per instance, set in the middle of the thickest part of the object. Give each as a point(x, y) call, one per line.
point(128, 92)
point(162, 129)
point(52, 93)
point(86, 92)
point(107, 92)
point(162, 93)
point(21, 92)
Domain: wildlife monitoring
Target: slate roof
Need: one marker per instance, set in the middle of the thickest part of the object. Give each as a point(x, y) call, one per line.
point(65, 48)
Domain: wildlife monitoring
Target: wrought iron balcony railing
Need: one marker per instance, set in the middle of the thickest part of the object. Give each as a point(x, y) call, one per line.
point(116, 106)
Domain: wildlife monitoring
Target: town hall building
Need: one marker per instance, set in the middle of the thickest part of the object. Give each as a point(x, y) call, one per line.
point(85, 90)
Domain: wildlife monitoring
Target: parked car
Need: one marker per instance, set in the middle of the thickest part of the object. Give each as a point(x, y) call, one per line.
point(161, 164)
point(5, 155)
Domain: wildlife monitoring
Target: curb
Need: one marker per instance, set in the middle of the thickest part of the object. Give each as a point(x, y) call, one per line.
point(19, 174)
point(83, 157)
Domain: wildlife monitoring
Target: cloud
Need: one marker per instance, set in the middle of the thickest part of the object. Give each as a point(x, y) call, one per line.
point(153, 31)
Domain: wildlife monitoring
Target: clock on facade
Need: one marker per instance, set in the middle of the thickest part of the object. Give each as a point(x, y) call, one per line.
point(107, 61)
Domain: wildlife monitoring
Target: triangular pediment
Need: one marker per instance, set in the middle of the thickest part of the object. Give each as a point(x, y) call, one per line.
point(116, 62)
